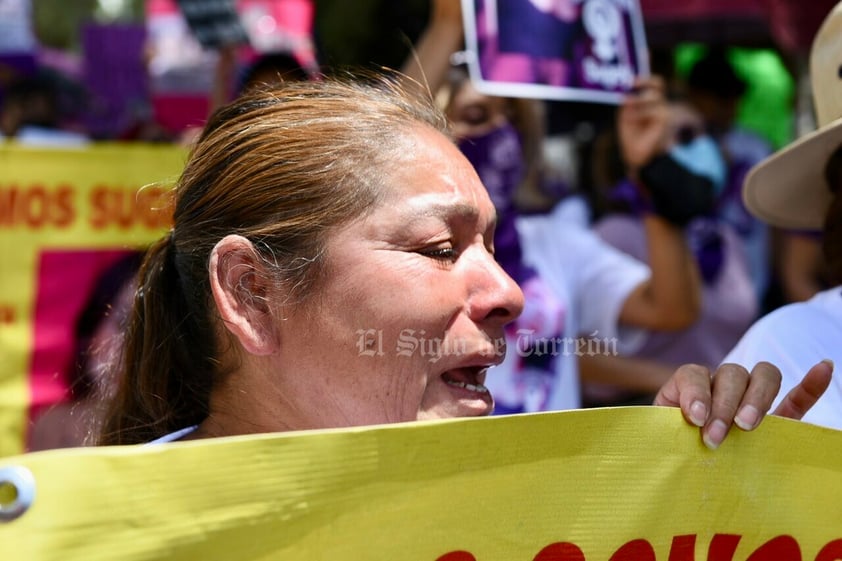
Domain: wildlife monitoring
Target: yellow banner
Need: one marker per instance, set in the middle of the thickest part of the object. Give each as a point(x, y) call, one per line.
point(64, 216)
point(591, 485)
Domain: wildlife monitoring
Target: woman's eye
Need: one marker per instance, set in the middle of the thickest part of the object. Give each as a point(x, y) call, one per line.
point(476, 116)
point(440, 253)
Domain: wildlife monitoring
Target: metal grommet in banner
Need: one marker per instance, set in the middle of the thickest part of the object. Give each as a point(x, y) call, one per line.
point(17, 491)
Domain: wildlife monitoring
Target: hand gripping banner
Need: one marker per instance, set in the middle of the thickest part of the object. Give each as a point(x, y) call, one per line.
point(590, 485)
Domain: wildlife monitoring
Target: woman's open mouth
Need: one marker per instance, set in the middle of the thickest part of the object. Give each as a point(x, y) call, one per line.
point(466, 378)
point(469, 389)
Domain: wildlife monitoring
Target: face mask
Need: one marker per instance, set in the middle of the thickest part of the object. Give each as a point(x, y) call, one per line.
point(702, 156)
point(498, 160)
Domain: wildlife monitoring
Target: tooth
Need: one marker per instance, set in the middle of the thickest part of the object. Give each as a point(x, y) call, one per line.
point(479, 388)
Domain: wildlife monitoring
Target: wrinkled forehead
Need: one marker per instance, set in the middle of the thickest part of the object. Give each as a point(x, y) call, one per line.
point(429, 164)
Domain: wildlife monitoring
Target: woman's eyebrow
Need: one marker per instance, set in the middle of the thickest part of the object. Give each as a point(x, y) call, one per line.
point(446, 211)
point(449, 213)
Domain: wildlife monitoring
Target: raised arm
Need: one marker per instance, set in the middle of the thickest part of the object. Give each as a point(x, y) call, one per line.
point(429, 62)
point(671, 298)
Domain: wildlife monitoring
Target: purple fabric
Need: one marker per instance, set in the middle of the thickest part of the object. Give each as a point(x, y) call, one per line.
point(115, 77)
point(705, 241)
point(14, 66)
point(498, 160)
point(523, 28)
point(629, 195)
point(729, 304)
point(18, 64)
point(740, 218)
point(703, 234)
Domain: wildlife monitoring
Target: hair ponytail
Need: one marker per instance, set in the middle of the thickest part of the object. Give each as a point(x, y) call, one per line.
point(161, 340)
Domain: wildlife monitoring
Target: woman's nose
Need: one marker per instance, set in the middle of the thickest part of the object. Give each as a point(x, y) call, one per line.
point(495, 296)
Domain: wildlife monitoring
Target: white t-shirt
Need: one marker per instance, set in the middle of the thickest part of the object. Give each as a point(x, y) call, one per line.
point(729, 303)
point(34, 136)
point(794, 338)
point(591, 280)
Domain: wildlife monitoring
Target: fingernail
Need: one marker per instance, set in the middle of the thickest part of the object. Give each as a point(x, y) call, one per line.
point(828, 362)
point(715, 434)
point(748, 417)
point(698, 413)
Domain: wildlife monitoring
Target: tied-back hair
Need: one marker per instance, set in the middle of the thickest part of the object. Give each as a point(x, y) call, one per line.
point(832, 233)
point(282, 167)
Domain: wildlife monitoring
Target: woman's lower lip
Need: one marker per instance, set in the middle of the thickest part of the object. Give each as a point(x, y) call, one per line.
point(481, 401)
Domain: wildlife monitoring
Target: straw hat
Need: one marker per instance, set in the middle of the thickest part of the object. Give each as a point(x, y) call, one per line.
point(788, 189)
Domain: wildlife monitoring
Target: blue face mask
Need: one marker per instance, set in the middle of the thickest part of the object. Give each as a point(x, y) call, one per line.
point(703, 157)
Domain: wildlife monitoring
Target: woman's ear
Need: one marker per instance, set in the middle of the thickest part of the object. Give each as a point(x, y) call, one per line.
point(241, 285)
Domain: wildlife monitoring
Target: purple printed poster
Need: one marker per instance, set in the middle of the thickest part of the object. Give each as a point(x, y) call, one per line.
point(579, 50)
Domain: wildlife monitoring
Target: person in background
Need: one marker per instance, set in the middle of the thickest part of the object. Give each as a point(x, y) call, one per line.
point(574, 283)
point(263, 71)
point(729, 303)
point(800, 266)
point(31, 114)
point(714, 88)
point(800, 188)
point(271, 68)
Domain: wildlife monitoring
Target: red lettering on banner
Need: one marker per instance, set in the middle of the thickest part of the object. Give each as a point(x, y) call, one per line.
point(722, 548)
point(561, 551)
point(781, 548)
point(36, 206)
point(65, 213)
point(635, 550)
point(683, 548)
point(7, 315)
point(125, 207)
point(831, 552)
point(457, 556)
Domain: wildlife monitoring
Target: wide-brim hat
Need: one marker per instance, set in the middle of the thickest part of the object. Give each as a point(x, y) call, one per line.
point(788, 189)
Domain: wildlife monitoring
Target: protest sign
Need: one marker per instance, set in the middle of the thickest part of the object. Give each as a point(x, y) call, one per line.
point(66, 215)
point(281, 26)
point(591, 485)
point(577, 50)
point(214, 23)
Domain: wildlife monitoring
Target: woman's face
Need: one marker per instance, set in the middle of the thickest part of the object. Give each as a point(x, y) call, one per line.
point(475, 114)
point(412, 309)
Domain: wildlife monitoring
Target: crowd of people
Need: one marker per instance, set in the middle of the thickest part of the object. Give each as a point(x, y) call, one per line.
point(315, 207)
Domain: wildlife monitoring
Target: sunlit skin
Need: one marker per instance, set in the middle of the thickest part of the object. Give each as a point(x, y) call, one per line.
point(422, 261)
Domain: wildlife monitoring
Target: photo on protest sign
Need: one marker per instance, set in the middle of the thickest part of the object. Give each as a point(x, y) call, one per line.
point(577, 50)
